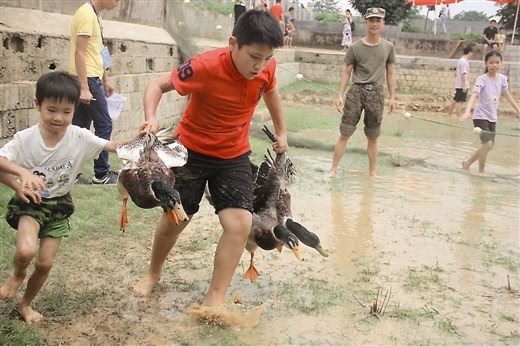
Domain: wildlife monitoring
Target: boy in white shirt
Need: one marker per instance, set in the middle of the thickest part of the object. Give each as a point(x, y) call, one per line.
point(46, 157)
point(461, 82)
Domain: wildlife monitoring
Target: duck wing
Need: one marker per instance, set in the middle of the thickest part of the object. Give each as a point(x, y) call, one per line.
point(173, 154)
point(131, 152)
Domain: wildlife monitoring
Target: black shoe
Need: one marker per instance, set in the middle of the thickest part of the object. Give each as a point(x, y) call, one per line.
point(109, 178)
point(82, 181)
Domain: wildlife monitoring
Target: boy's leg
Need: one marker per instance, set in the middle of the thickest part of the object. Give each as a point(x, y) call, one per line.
point(451, 107)
point(26, 246)
point(484, 51)
point(48, 248)
point(458, 109)
point(166, 235)
point(372, 155)
point(236, 223)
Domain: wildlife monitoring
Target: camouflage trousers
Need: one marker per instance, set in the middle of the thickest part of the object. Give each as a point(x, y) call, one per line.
point(52, 214)
point(369, 98)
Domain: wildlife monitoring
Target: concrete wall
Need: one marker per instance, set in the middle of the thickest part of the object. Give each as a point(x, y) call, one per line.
point(39, 43)
point(412, 73)
point(130, 11)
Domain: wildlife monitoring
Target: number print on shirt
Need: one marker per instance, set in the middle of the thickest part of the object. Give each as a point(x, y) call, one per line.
point(185, 71)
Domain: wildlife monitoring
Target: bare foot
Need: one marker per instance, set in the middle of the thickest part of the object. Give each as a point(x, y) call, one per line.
point(29, 315)
point(330, 174)
point(464, 165)
point(144, 287)
point(10, 287)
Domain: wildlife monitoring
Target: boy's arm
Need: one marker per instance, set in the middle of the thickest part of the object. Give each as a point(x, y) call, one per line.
point(111, 146)
point(81, 67)
point(390, 82)
point(273, 102)
point(471, 101)
point(28, 180)
point(512, 101)
point(24, 194)
point(152, 96)
point(345, 77)
point(464, 78)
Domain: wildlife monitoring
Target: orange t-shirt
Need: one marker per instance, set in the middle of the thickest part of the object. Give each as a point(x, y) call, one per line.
point(217, 118)
point(277, 12)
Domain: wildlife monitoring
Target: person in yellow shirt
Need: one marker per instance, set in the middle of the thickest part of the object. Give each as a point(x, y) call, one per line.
point(88, 60)
point(501, 39)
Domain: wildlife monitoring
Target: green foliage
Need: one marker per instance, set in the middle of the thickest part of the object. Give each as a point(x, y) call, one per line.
point(407, 27)
point(471, 16)
point(396, 10)
point(471, 37)
point(12, 332)
point(325, 17)
point(224, 8)
point(327, 6)
point(507, 17)
point(415, 13)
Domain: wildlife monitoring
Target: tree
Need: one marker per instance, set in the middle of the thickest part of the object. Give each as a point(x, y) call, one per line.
point(471, 16)
point(415, 13)
point(507, 17)
point(326, 6)
point(396, 10)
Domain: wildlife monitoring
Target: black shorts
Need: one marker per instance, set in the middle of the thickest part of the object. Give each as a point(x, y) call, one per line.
point(488, 127)
point(230, 182)
point(460, 96)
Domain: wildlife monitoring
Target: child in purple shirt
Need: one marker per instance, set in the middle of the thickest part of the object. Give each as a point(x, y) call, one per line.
point(488, 87)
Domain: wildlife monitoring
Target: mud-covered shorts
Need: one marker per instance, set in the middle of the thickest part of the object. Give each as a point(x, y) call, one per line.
point(230, 182)
point(368, 97)
point(52, 214)
point(488, 130)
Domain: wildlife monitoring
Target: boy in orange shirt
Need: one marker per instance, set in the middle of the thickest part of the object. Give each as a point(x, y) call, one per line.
point(277, 12)
point(225, 86)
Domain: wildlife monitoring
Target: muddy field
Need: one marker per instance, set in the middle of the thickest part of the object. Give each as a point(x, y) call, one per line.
point(439, 244)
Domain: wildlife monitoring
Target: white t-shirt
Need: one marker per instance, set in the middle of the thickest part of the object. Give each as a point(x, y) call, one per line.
point(462, 68)
point(57, 166)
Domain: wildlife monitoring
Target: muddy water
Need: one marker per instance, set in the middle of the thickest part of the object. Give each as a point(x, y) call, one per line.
point(442, 239)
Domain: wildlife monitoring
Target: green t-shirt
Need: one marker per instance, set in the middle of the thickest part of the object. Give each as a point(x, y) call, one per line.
point(370, 61)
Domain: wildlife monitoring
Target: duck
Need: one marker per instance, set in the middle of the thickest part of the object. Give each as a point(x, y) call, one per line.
point(266, 231)
point(283, 206)
point(304, 235)
point(146, 176)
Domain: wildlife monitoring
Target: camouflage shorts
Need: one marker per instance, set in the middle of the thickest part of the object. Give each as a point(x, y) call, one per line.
point(52, 214)
point(360, 98)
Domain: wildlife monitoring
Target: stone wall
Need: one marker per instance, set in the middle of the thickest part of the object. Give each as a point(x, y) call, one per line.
point(130, 11)
point(39, 43)
point(412, 73)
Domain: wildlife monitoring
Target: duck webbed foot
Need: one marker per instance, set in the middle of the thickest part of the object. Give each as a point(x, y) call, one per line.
point(251, 273)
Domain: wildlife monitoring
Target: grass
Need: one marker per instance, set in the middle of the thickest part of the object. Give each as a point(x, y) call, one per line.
point(423, 279)
point(311, 297)
point(97, 252)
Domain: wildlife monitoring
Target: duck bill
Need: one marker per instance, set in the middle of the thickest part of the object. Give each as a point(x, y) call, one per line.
point(322, 251)
point(178, 210)
point(296, 251)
